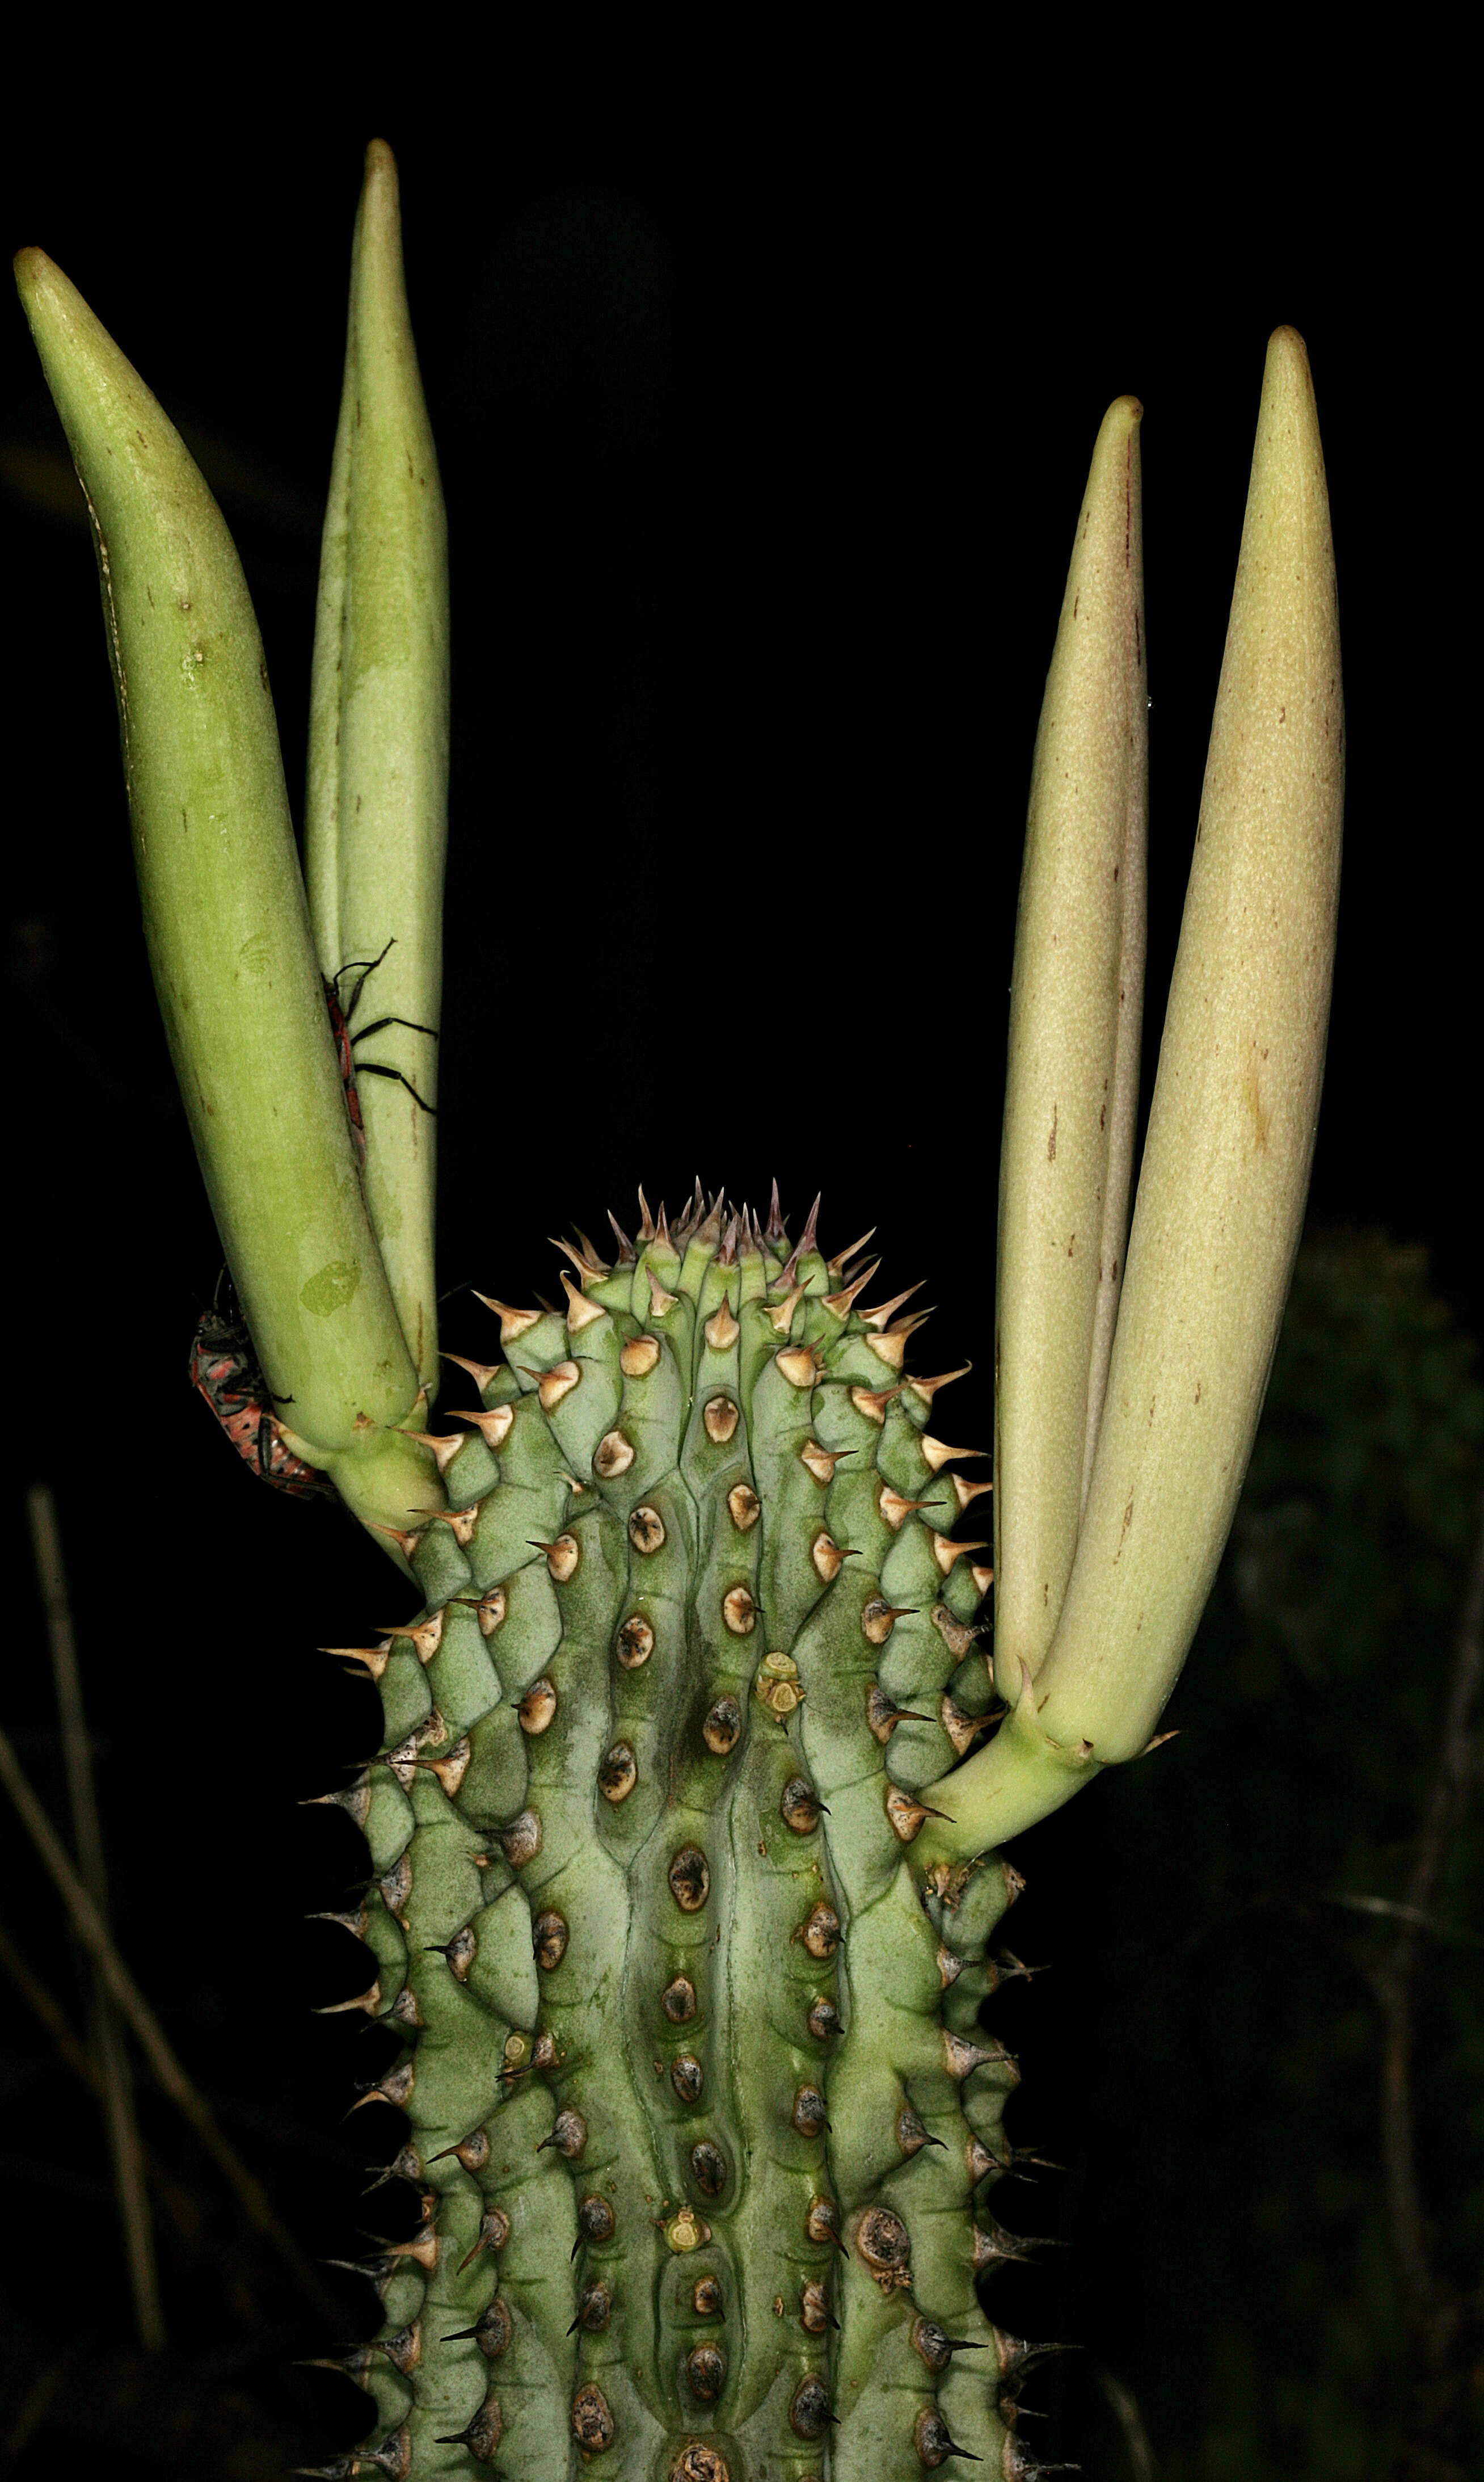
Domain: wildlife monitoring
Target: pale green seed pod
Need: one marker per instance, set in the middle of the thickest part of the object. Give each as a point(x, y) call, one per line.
point(1072, 1082)
point(377, 814)
point(223, 902)
point(1226, 1164)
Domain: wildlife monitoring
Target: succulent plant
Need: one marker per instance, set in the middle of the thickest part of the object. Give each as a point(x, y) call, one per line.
point(685, 1835)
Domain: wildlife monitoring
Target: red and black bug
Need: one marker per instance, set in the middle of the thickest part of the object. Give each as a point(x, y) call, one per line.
point(340, 1016)
point(225, 1368)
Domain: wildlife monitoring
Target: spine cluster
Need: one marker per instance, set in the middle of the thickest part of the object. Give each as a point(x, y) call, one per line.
point(701, 2119)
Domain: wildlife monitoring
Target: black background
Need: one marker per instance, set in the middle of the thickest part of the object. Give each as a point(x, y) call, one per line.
point(762, 454)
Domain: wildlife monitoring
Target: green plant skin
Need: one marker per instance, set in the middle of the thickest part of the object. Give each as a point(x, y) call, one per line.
point(531, 1923)
point(781, 1360)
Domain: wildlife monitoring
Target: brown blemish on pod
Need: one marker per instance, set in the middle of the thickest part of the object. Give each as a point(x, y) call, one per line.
point(461, 1521)
point(592, 2424)
point(949, 1967)
point(911, 2132)
point(800, 1806)
point(635, 1642)
point(569, 2135)
point(706, 2371)
point(612, 1456)
point(549, 1938)
point(687, 2077)
point(647, 1530)
point(744, 1507)
point(808, 2114)
point(537, 1708)
point(551, 1386)
point(872, 1402)
point(618, 1773)
point(814, 2308)
point(708, 2168)
point(798, 1365)
point(637, 1357)
point(739, 1612)
point(821, 1931)
point(722, 1729)
point(980, 2160)
point(594, 2307)
point(706, 2300)
point(882, 2244)
point(720, 1420)
point(823, 2019)
point(678, 1999)
point(690, 1878)
point(809, 2410)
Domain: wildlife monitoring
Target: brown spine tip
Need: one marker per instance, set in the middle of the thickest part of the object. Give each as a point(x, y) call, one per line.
point(639, 1356)
point(537, 1708)
point(800, 1806)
